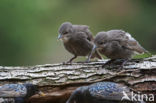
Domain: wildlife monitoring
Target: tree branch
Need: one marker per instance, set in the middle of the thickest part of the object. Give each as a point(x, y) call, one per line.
point(58, 80)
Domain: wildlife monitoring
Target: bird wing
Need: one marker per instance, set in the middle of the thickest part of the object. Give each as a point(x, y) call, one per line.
point(86, 43)
point(13, 90)
point(135, 46)
point(82, 35)
point(82, 39)
point(126, 40)
point(107, 91)
point(85, 30)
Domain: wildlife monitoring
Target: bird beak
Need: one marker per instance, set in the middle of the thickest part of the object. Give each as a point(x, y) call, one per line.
point(59, 36)
point(41, 93)
point(93, 50)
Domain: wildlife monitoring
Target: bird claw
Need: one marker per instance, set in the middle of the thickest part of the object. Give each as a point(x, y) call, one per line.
point(108, 63)
point(121, 67)
point(119, 62)
point(104, 65)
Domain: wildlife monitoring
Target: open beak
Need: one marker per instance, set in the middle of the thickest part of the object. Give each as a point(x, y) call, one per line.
point(41, 93)
point(59, 36)
point(93, 50)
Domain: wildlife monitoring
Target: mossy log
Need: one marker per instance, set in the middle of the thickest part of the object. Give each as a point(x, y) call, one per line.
point(58, 81)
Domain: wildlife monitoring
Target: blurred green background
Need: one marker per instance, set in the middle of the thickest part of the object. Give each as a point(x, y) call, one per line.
point(29, 28)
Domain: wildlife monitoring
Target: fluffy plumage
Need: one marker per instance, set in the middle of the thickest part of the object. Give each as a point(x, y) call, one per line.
point(16, 93)
point(117, 44)
point(102, 92)
point(77, 39)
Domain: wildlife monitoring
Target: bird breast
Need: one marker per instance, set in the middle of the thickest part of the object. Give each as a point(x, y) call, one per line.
point(78, 48)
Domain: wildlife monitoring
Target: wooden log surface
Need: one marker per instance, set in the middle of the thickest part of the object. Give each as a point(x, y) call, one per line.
point(58, 81)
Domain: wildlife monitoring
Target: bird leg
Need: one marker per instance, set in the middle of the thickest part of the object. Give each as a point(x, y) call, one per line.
point(108, 62)
point(70, 60)
point(88, 59)
point(123, 63)
point(120, 62)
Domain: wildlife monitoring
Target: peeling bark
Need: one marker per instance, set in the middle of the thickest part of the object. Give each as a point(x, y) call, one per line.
point(58, 81)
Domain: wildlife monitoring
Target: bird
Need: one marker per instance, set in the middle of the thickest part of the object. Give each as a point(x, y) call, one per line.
point(17, 93)
point(117, 44)
point(77, 40)
point(102, 92)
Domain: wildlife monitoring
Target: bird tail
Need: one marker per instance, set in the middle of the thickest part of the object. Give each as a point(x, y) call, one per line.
point(147, 52)
point(141, 50)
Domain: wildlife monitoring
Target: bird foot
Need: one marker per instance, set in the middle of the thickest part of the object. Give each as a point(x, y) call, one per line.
point(108, 64)
point(70, 61)
point(119, 62)
point(120, 67)
point(123, 63)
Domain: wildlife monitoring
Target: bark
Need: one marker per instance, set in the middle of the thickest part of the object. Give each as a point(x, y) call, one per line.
point(58, 81)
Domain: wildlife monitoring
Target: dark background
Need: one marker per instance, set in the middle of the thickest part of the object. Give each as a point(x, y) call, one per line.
point(29, 28)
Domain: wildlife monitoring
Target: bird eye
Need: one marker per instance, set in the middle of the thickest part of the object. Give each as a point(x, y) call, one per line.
point(101, 43)
point(65, 33)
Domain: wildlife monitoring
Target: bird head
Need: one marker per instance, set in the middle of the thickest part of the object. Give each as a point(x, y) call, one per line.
point(78, 96)
point(99, 42)
point(65, 31)
point(32, 90)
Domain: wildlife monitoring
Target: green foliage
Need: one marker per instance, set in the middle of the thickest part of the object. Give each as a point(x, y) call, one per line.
point(142, 56)
point(28, 28)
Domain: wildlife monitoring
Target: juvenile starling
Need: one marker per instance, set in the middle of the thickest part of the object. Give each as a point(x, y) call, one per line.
point(77, 39)
point(17, 93)
point(117, 44)
point(102, 92)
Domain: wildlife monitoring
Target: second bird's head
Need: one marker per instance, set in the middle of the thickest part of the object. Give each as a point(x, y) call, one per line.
point(65, 31)
point(32, 90)
point(100, 42)
point(79, 95)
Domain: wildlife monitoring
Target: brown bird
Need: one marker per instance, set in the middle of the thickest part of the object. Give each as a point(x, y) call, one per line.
point(117, 44)
point(78, 40)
